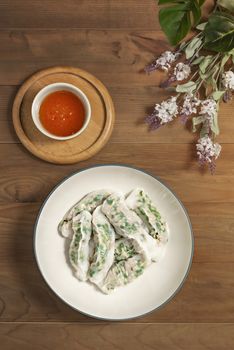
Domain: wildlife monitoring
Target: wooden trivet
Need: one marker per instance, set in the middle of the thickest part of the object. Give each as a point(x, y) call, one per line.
point(81, 147)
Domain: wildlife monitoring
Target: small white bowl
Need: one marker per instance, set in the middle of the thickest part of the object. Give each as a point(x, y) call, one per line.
point(38, 99)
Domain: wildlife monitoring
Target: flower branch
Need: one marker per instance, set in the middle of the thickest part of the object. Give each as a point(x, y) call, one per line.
point(201, 72)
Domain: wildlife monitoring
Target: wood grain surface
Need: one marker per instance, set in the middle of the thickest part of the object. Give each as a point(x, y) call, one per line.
point(112, 40)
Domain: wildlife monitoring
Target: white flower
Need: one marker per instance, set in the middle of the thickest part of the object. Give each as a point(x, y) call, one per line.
point(182, 71)
point(208, 106)
point(228, 80)
point(166, 110)
point(190, 105)
point(207, 151)
point(208, 110)
point(165, 60)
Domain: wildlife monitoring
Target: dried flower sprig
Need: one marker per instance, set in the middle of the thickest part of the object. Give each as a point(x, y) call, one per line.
point(163, 113)
point(228, 80)
point(189, 107)
point(163, 62)
point(196, 73)
point(207, 152)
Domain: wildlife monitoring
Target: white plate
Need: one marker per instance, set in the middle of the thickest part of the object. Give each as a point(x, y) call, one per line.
point(160, 281)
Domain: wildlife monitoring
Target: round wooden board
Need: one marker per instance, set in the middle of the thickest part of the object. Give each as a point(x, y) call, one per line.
point(81, 147)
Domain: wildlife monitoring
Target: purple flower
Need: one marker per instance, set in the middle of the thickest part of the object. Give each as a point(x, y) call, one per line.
point(162, 62)
point(228, 80)
point(181, 71)
point(227, 96)
point(207, 152)
point(189, 107)
point(163, 113)
point(208, 111)
point(153, 121)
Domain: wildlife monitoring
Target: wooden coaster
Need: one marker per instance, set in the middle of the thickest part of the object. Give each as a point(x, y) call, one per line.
point(82, 147)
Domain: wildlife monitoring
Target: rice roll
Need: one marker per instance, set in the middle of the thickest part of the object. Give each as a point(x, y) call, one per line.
point(124, 249)
point(89, 203)
point(143, 206)
point(104, 247)
point(123, 272)
point(128, 224)
point(79, 247)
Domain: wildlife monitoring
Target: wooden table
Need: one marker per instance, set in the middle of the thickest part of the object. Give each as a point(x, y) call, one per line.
point(112, 39)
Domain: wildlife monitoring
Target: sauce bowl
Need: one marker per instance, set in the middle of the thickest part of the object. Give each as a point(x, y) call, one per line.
point(47, 90)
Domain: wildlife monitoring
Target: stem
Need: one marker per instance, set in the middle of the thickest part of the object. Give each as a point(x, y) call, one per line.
point(193, 75)
point(196, 53)
point(200, 84)
point(219, 71)
point(212, 63)
point(200, 81)
point(217, 7)
point(188, 42)
point(218, 78)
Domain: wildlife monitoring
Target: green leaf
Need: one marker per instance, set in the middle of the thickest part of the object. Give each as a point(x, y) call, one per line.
point(183, 45)
point(217, 95)
point(201, 26)
point(232, 54)
point(176, 20)
point(197, 121)
point(211, 81)
point(214, 71)
point(187, 87)
point(198, 60)
point(192, 47)
point(205, 63)
point(224, 60)
point(214, 125)
point(205, 127)
point(196, 10)
point(209, 75)
point(219, 32)
point(203, 76)
point(204, 130)
point(227, 4)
